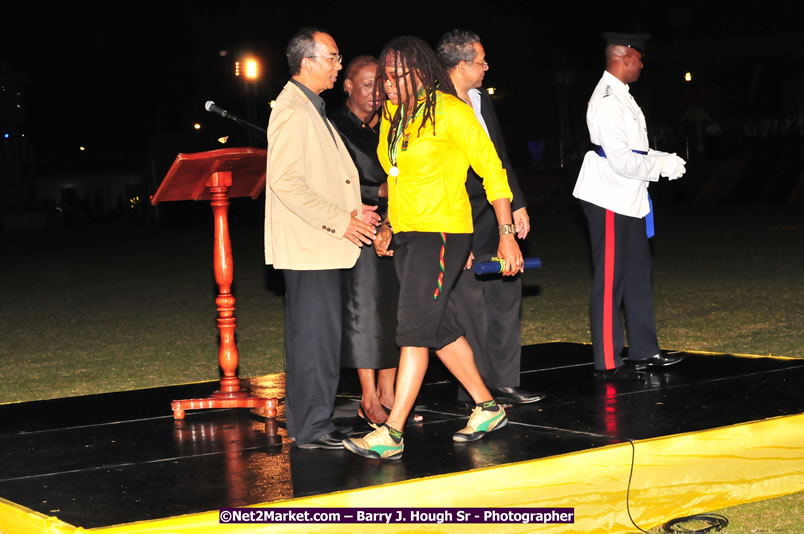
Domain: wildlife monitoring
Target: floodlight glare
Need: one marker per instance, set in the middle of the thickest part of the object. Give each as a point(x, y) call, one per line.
point(252, 69)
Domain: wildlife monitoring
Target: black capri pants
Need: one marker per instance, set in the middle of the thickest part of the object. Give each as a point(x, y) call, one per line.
point(428, 265)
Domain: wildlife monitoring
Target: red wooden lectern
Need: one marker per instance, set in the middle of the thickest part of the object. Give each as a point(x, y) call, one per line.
point(217, 176)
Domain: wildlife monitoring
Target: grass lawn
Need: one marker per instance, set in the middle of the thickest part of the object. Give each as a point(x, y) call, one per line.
point(784, 515)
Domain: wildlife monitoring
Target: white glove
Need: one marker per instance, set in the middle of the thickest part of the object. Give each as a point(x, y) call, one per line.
point(678, 175)
point(672, 166)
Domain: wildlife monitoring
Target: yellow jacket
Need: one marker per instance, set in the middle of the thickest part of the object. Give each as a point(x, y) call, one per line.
point(429, 194)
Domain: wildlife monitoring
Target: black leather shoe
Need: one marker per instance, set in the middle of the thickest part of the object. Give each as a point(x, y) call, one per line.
point(623, 372)
point(515, 395)
point(332, 441)
point(657, 361)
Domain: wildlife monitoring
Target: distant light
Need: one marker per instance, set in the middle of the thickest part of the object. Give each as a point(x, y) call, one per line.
point(237, 68)
point(81, 148)
point(197, 126)
point(252, 69)
point(491, 90)
point(5, 135)
point(223, 53)
point(223, 140)
point(272, 103)
point(688, 77)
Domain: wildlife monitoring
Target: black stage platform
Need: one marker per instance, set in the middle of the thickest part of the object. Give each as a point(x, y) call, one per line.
point(115, 458)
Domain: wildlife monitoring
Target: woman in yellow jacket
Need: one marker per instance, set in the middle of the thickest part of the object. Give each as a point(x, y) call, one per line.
point(428, 140)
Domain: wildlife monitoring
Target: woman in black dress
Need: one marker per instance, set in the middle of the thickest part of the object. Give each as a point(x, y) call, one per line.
point(370, 289)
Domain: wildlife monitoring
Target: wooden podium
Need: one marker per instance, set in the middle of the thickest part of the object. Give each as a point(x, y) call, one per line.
point(217, 176)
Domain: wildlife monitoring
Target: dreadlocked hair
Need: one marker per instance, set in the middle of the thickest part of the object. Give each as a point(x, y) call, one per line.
point(411, 54)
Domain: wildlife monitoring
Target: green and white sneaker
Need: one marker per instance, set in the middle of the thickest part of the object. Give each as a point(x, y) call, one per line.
point(481, 422)
point(377, 444)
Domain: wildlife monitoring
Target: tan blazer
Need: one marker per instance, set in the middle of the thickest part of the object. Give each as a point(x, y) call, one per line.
point(312, 186)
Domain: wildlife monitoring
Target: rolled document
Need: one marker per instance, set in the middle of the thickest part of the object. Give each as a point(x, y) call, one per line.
point(497, 265)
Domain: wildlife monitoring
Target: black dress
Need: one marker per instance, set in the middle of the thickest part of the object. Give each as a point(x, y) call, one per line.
point(370, 288)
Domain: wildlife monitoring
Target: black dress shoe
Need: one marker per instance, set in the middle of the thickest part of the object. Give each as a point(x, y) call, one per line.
point(515, 395)
point(332, 441)
point(657, 361)
point(345, 430)
point(623, 372)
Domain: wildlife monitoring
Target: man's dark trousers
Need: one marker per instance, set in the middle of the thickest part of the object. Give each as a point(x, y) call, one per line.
point(312, 351)
point(621, 278)
point(491, 326)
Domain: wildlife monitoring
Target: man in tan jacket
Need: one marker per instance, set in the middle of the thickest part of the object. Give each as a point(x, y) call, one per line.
point(313, 229)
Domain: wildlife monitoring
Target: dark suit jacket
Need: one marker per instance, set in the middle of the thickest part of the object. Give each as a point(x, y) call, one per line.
point(487, 237)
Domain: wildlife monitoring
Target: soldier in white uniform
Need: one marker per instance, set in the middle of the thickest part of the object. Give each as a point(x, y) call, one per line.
point(612, 187)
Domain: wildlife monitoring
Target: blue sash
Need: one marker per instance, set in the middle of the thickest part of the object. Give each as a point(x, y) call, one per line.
point(649, 217)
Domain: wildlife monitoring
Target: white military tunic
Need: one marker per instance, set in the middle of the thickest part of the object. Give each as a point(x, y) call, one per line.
point(618, 182)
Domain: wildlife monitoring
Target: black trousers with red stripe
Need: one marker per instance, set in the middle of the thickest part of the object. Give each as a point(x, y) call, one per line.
point(621, 286)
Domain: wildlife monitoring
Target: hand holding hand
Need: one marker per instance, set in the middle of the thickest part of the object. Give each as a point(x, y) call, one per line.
point(383, 241)
point(359, 232)
point(370, 215)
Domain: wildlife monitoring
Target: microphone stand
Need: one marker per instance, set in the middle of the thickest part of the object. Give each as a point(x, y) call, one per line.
point(246, 124)
point(238, 120)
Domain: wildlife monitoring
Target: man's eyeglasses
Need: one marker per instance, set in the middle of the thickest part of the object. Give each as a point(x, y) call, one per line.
point(335, 58)
point(483, 64)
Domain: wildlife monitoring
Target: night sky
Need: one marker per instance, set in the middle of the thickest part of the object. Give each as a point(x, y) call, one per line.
point(113, 76)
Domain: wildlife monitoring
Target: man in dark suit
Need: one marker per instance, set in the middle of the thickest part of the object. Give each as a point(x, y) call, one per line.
point(313, 230)
point(488, 307)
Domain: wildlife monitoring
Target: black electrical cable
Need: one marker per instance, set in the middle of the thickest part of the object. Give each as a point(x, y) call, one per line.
point(716, 521)
point(628, 489)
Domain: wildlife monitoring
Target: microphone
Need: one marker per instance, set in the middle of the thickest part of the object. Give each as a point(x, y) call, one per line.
point(212, 108)
point(496, 265)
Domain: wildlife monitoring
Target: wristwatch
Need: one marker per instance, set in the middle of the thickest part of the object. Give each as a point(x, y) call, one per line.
point(506, 229)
